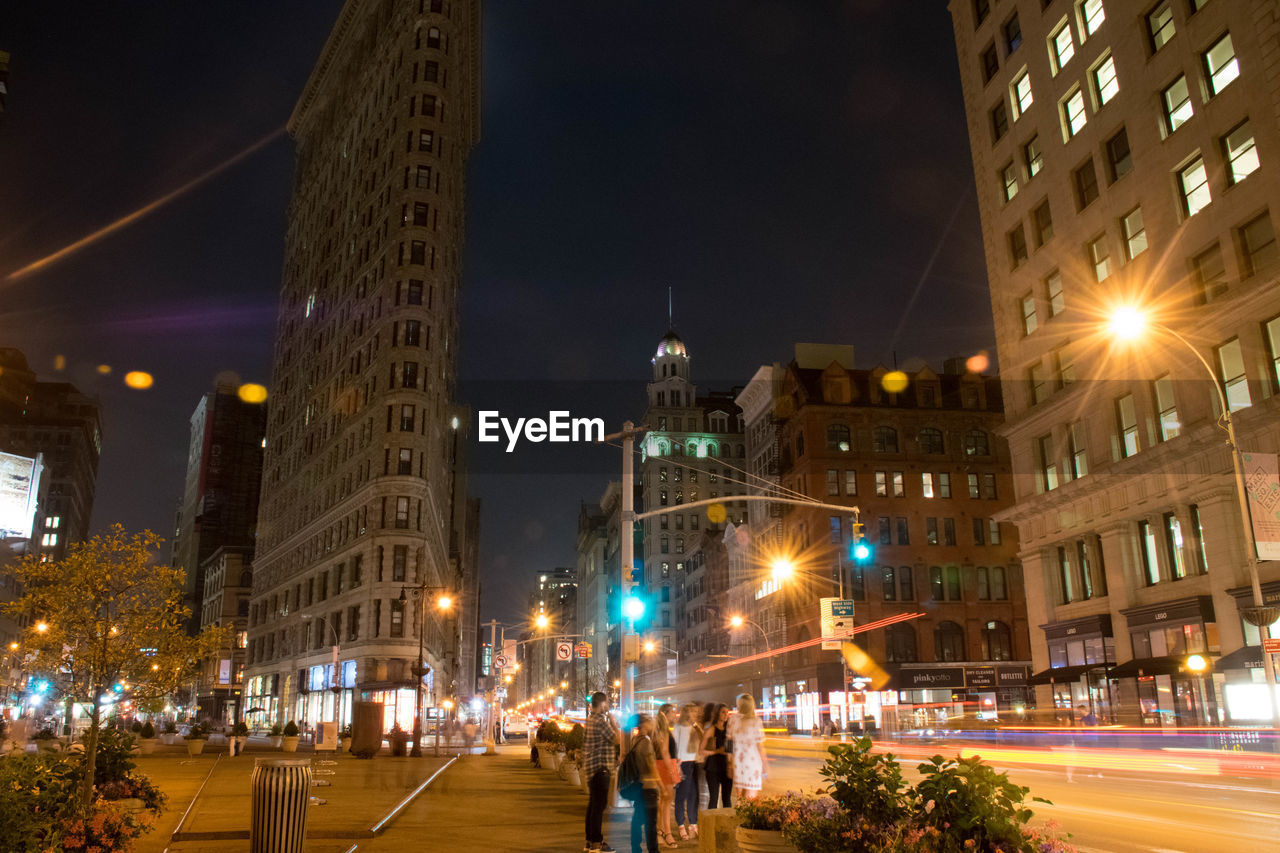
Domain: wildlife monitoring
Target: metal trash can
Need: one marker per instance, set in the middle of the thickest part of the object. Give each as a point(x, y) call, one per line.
point(281, 789)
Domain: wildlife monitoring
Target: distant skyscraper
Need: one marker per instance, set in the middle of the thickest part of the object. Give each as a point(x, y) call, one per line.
point(364, 504)
point(224, 477)
point(56, 420)
point(4, 82)
point(1128, 153)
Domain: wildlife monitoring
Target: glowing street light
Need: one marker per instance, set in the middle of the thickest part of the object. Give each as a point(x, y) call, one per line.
point(444, 602)
point(735, 621)
point(1197, 663)
point(783, 569)
point(1127, 323)
point(649, 647)
point(41, 627)
point(542, 620)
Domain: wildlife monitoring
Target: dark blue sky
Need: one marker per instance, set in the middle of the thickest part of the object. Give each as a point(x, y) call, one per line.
point(790, 169)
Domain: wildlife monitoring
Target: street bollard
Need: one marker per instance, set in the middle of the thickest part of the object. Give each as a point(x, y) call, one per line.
point(281, 788)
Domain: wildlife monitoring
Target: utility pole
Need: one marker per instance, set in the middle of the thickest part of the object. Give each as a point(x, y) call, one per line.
point(627, 532)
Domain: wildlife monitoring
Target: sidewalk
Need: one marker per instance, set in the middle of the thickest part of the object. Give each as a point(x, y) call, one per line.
point(499, 803)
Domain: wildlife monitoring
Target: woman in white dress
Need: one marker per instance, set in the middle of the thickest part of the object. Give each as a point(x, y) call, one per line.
point(749, 759)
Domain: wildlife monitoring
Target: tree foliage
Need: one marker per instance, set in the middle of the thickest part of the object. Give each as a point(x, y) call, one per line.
point(109, 613)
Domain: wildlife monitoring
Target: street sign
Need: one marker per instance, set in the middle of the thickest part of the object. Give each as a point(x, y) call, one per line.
point(1271, 646)
point(583, 650)
point(836, 619)
point(501, 661)
point(564, 651)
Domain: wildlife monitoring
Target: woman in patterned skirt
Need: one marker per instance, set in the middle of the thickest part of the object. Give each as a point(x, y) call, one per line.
point(749, 759)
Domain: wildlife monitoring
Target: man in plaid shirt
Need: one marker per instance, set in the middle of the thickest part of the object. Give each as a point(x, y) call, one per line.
point(600, 754)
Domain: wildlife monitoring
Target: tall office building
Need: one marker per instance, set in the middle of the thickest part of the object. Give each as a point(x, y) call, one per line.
point(362, 526)
point(55, 420)
point(224, 476)
point(1127, 153)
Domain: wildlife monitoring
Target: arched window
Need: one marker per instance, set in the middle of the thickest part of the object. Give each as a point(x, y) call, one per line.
point(246, 578)
point(838, 438)
point(890, 585)
point(884, 440)
point(713, 449)
point(997, 641)
point(931, 441)
point(976, 443)
point(433, 37)
point(900, 644)
point(948, 642)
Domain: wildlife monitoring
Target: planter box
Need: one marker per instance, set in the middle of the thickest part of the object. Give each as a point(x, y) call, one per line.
point(569, 773)
point(146, 745)
point(716, 831)
point(169, 738)
point(289, 744)
point(276, 740)
point(195, 746)
point(762, 841)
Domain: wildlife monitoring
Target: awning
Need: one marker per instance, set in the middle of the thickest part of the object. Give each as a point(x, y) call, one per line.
point(1152, 666)
point(1063, 674)
point(1246, 657)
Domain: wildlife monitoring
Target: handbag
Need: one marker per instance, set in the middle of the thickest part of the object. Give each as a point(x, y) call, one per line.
point(669, 771)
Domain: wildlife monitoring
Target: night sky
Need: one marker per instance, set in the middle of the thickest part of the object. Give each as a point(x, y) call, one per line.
point(795, 171)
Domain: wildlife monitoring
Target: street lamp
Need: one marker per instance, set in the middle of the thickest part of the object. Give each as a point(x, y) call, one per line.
point(1129, 323)
point(443, 602)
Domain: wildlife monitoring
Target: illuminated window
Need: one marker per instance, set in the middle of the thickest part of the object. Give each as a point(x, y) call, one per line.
point(833, 481)
point(1240, 153)
point(1073, 115)
point(976, 443)
point(1046, 463)
point(1017, 245)
point(426, 140)
point(1148, 552)
point(1160, 26)
point(1173, 542)
point(1234, 381)
point(397, 618)
point(850, 482)
point(1066, 577)
point(48, 540)
point(944, 485)
point(1135, 233)
point(1022, 98)
point(402, 513)
point(1177, 104)
point(997, 641)
point(899, 485)
point(882, 484)
point(1062, 47)
point(1091, 16)
point(931, 531)
point(1033, 157)
point(1009, 180)
point(1197, 534)
point(1100, 256)
point(1220, 65)
point(926, 485)
point(837, 438)
point(1166, 407)
point(1127, 425)
point(1028, 314)
point(1193, 181)
point(53, 522)
point(1105, 84)
point(1209, 272)
point(1038, 387)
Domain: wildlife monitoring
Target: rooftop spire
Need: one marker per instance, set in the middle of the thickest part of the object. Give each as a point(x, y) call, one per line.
point(670, 323)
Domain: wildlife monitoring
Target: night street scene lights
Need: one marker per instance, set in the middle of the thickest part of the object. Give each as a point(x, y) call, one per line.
point(444, 604)
point(1130, 324)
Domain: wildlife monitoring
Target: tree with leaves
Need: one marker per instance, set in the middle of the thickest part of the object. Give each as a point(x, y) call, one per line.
point(110, 613)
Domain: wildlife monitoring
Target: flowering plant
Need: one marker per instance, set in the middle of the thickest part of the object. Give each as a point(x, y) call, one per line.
point(785, 809)
point(108, 829)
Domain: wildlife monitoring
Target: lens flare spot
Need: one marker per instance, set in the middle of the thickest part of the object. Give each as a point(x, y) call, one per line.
point(716, 513)
point(104, 369)
point(138, 380)
point(978, 362)
point(253, 393)
point(59, 362)
point(894, 381)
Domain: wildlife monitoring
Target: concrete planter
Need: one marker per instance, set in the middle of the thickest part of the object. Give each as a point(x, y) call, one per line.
point(276, 740)
point(569, 773)
point(762, 841)
point(146, 745)
point(195, 746)
point(169, 738)
point(289, 744)
point(553, 760)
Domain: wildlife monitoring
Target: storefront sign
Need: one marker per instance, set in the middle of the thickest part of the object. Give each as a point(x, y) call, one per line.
point(224, 671)
point(980, 677)
point(1262, 484)
point(928, 679)
point(1012, 676)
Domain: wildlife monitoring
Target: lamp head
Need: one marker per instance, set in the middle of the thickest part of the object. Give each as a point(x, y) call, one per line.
point(1127, 323)
point(735, 621)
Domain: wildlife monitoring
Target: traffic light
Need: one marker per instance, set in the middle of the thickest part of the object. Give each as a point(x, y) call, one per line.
point(633, 607)
point(861, 551)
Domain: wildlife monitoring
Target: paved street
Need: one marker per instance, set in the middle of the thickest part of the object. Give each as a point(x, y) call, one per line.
point(1118, 812)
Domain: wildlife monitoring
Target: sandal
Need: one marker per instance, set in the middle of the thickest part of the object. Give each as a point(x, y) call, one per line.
point(668, 840)
point(684, 832)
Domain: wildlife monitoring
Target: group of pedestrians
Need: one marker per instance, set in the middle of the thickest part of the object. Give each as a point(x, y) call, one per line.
point(663, 761)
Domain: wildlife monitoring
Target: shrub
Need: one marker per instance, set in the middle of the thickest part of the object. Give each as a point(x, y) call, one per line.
point(291, 729)
point(148, 730)
point(866, 784)
point(276, 731)
point(170, 727)
point(196, 732)
point(108, 828)
point(135, 726)
point(576, 738)
point(46, 733)
point(549, 732)
point(37, 792)
point(240, 729)
point(785, 809)
point(967, 800)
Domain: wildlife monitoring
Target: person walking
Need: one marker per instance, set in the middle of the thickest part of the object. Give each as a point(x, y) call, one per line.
point(715, 748)
point(599, 754)
point(664, 744)
point(642, 789)
point(749, 760)
point(688, 740)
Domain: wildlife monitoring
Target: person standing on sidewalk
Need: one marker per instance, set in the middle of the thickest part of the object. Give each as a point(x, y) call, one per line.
point(750, 764)
point(600, 754)
point(715, 748)
point(642, 790)
point(688, 740)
